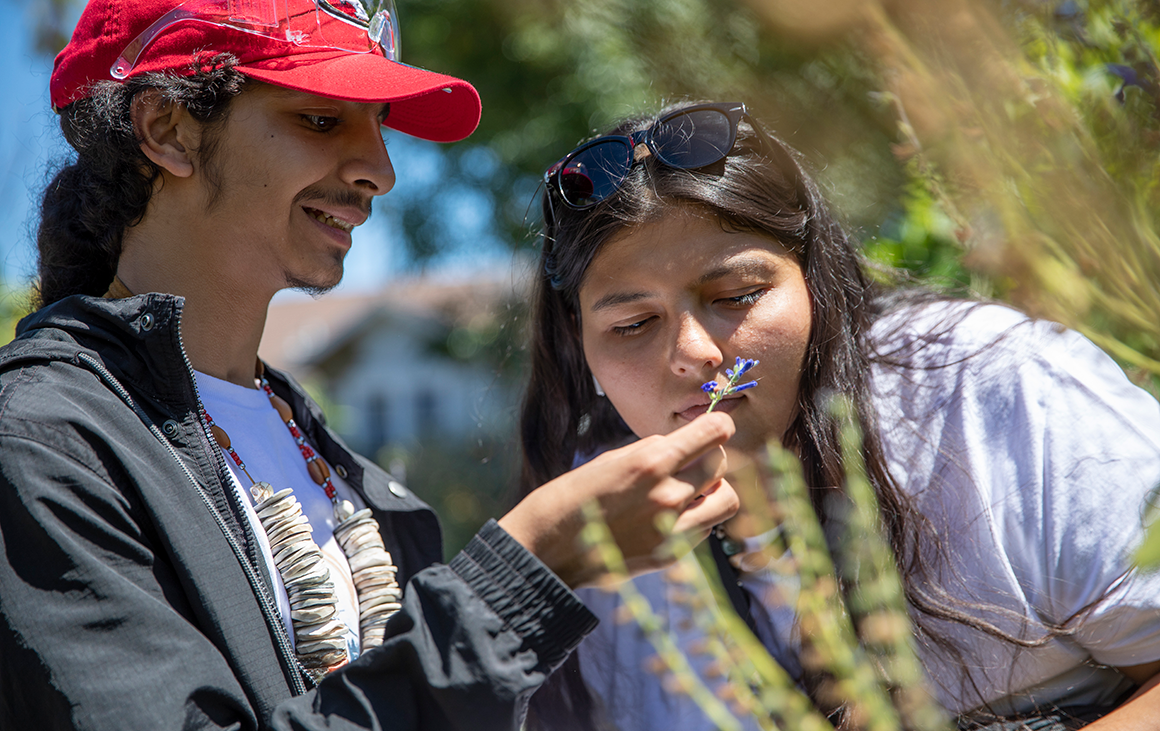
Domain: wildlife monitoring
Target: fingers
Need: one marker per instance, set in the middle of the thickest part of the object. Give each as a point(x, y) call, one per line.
point(704, 471)
point(716, 505)
point(695, 439)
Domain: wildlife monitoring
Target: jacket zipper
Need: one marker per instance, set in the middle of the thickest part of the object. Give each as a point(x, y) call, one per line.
point(265, 601)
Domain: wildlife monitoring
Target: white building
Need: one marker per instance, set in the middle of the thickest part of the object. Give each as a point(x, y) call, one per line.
point(420, 360)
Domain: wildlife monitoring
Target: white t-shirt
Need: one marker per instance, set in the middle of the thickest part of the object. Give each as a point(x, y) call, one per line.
point(260, 437)
point(1034, 458)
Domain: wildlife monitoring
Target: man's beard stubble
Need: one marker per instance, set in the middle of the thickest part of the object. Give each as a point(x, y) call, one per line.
point(328, 280)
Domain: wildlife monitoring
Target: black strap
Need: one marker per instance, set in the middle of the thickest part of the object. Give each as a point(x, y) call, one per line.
point(738, 597)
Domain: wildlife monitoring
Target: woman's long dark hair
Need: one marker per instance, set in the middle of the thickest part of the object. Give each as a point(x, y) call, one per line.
point(760, 187)
point(89, 203)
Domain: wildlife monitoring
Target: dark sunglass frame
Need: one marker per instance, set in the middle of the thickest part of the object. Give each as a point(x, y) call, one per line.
point(619, 154)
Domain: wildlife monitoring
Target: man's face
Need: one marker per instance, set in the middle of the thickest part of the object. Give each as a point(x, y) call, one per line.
point(290, 175)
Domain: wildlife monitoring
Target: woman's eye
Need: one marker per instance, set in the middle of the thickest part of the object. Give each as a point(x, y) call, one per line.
point(632, 329)
point(320, 122)
point(744, 300)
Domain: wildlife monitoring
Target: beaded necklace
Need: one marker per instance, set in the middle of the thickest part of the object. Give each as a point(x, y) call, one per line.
point(319, 637)
point(320, 642)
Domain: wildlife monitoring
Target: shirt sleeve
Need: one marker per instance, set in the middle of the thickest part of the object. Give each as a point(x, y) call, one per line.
point(473, 641)
point(1101, 466)
point(1032, 458)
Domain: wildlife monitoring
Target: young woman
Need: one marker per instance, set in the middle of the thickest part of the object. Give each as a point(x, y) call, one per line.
point(1012, 459)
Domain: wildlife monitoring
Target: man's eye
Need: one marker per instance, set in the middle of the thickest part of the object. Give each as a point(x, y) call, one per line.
point(320, 122)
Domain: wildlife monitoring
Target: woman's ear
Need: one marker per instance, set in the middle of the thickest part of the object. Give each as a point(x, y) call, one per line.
point(167, 132)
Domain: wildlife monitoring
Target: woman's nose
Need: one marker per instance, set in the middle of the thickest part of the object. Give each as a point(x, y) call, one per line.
point(695, 351)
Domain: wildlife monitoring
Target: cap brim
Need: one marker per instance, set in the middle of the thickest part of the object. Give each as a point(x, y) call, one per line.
point(425, 104)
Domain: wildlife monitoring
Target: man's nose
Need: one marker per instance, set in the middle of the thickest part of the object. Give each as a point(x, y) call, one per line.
point(695, 351)
point(369, 166)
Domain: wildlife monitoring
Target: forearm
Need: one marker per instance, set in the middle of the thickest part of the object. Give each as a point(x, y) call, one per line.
point(1141, 712)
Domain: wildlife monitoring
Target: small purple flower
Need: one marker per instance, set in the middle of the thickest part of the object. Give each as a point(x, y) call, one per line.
point(716, 392)
point(1128, 75)
point(742, 365)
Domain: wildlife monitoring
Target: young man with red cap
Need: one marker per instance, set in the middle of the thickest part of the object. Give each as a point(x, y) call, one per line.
point(185, 542)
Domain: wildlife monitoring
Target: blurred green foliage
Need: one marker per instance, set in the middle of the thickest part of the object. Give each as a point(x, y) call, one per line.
point(15, 303)
point(553, 73)
point(466, 482)
point(919, 239)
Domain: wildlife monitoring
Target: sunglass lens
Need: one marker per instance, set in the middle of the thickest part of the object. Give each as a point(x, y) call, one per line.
point(693, 139)
point(594, 173)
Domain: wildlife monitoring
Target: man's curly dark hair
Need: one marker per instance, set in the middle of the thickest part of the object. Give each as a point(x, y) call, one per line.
point(90, 202)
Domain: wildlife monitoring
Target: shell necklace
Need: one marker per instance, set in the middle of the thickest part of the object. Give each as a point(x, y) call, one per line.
point(319, 637)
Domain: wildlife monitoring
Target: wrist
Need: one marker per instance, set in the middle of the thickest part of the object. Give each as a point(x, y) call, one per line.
point(552, 541)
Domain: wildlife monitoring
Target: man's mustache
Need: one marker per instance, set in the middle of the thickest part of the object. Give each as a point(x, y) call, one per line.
point(342, 198)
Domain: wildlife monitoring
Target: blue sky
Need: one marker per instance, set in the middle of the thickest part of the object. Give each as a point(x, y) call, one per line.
point(30, 142)
point(29, 138)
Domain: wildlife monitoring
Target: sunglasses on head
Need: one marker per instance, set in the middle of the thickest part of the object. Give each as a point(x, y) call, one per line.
point(687, 138)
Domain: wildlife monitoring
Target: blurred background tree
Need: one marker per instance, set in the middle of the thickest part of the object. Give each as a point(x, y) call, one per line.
point(1006, 148)
point(14, 304)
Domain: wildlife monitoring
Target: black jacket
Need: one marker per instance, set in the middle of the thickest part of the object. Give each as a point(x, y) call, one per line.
point(132, 591)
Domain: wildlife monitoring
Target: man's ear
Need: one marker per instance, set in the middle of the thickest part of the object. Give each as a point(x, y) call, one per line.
point(167, 132)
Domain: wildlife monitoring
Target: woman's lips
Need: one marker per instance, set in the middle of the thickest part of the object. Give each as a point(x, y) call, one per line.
point(727, 405)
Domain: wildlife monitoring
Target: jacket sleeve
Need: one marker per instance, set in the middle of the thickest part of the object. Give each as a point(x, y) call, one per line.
point(97, 633)
point(473, 641)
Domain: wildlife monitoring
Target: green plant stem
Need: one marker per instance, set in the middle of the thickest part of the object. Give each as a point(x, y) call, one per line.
point(597, 536)
point(830, 642)
point(877, 601)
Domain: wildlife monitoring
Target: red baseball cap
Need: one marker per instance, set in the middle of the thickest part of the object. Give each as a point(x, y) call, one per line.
point(339, 49)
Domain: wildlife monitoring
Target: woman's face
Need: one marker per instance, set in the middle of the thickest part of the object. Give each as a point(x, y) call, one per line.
point(667, 306)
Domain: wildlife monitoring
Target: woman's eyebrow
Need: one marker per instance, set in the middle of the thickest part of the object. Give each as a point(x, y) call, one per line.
point(742, 265)
point(617, 298)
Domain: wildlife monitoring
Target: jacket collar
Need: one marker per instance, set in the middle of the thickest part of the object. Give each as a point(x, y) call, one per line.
point(137, 338)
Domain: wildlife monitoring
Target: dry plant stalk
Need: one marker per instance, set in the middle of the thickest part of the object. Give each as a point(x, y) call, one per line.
point(1012, 125)
point(598, 537)
point(873, 673)
point(877, 602)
